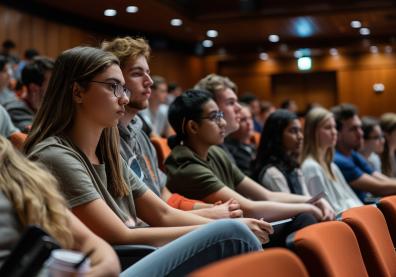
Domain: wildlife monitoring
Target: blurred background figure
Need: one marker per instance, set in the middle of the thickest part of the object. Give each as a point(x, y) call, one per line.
point(373, 144)
point(388, 126)
point(289, 105)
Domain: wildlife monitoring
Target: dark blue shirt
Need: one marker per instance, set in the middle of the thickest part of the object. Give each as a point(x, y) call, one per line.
point(353, 167)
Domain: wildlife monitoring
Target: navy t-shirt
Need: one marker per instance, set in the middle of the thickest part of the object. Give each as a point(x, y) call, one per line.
point(353, 167)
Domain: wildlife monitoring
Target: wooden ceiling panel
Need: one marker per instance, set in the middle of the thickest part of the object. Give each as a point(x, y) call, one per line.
point(242, 24)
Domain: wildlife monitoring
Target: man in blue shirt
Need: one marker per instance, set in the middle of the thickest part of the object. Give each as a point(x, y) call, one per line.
point(355, 169)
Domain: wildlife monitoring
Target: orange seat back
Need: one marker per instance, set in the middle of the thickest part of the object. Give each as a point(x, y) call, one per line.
point(256, 138)
point(162, 148)
point(388, 207)
point(276, 262)
point(329, 249)
point(371, 231)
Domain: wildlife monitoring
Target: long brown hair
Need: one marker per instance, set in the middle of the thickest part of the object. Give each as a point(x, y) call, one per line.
point(55, 116)
point(313, 120)
point(388, 126)
point(33, 193)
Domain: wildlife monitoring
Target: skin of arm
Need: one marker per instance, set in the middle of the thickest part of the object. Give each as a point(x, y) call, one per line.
point(110, 227)
point(104, 261)
point(376, 183)
point(229, 209)
point(269, 211)
point(254, 191)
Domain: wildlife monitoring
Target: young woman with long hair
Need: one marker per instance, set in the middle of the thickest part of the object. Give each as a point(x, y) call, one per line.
point(29, 196)
point(277, 164)
point(388, 158)
point(319, 170)
point(75, 134)
point(373, 142)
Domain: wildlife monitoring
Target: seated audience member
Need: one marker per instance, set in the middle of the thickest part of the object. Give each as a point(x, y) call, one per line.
point(357, 172)
point(319, 170)
point(239, 143)
point(254, 106)
point(388, 158)
point(373, 144)
point(29, 195)
point(174, 90)
point(6, 126)
point(277, 163)
point(35, 76)
point(199, 169)
point(289, 105)
point(75, 135)
point(156, 115)
point(6, 94)
point(266, 109)
point(136, 147)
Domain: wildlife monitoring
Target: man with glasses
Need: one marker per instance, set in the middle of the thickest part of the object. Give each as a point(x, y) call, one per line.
point(136, 148)
point(357, 172)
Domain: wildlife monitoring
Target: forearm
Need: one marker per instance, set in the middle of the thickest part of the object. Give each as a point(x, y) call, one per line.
point(287, 197)
point(175, 217)
point(272, 211)
point(156, 236)
point(199, 205)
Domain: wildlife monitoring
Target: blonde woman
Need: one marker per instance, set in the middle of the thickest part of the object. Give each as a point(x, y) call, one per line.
point(29, 195)
point(388, 158)
point(320, 173)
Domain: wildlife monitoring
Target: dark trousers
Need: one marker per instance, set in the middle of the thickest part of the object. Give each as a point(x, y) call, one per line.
point(278, 239)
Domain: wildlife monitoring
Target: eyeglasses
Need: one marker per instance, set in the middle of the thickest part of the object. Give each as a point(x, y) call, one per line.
point(215, 117)
point(118, 89)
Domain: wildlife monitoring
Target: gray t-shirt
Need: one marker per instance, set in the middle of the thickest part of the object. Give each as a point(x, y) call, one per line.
point(140, 155)
point(81, 182)
point(10, 228)
point(6, 126)
point(338, 192)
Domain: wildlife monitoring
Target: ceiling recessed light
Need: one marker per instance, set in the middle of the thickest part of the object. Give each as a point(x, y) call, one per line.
point(110, 12)
point(176, 22)
point(132, 9)
point(364, 31)
point(273, 38)
point(212, 33)
point(263, 56)
point(207, 43)
point(356, 24)
point(333, 52)
point(374, 49)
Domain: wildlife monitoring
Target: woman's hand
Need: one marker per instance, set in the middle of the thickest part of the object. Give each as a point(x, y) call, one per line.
point(327, 210)
point(260, 228)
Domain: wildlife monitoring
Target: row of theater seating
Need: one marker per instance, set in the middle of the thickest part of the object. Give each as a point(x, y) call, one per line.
point(360, 243)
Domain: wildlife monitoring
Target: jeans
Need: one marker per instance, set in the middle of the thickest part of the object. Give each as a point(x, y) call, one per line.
point(209, 243)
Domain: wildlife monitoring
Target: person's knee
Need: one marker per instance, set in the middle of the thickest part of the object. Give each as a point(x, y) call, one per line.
point(305, 219)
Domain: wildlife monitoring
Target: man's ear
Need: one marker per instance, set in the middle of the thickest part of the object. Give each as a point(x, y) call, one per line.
point(77, 93)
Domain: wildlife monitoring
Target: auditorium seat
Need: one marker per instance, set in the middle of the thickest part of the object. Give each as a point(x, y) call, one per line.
point(162, 148)
point(387, 205)
point(328, 249)
point(276, 262)
point(371, 231)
